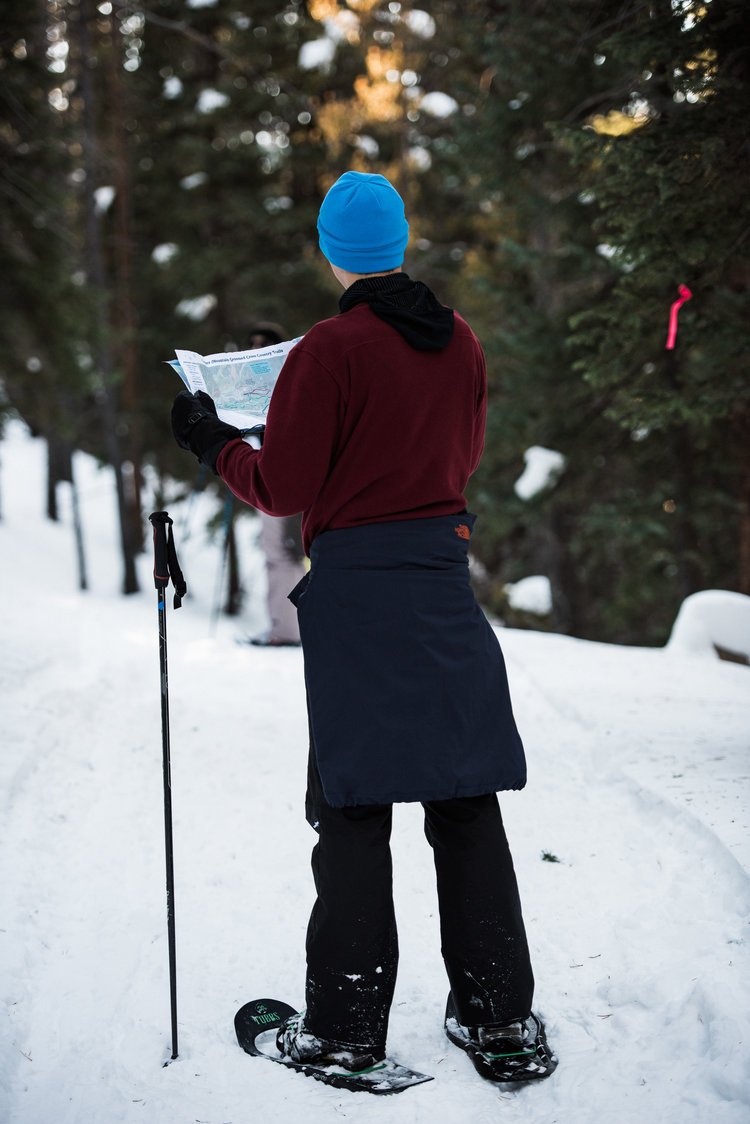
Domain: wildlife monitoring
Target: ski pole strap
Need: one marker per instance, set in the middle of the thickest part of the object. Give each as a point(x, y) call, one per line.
point(166, 566)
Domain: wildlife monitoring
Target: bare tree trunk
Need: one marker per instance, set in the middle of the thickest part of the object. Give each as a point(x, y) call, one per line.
point(59, 469)
point(689, 556)
point(52, 478)
point(124, 308)
point(233, 603)
point(742, 439)
point(83, 583)
point(97, 281)
point(556, 564)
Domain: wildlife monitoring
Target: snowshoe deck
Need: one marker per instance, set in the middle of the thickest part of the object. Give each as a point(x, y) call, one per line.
point(533, 1062)
point(256, 1024)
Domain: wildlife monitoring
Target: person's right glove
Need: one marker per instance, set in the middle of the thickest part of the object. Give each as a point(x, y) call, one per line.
point(197, 427)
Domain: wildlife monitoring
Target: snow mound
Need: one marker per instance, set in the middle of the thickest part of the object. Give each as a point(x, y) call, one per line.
point(710, 619)
point(531, 595)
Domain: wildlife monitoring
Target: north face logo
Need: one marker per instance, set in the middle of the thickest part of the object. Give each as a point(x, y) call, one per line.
point(462, 531)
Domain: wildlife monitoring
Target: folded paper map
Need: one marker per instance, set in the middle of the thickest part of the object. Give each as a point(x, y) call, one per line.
point(240, 382)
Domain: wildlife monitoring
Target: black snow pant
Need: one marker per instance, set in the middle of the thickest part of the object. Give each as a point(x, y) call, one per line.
point(352, 944)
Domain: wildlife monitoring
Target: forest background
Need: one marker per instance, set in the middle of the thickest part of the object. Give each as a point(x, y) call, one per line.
point(565, 167)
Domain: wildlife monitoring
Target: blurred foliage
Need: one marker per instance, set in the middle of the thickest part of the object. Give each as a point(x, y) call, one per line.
point(565, 167)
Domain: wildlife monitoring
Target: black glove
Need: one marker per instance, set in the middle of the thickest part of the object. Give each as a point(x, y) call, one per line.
point(196, 427)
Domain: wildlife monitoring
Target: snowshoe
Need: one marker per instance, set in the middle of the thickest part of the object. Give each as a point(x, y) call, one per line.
point(517, 1052)
point(267, 1028)
point(299, 1045)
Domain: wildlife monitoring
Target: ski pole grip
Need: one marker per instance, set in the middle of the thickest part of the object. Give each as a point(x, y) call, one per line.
point(160, 520)
point(166, 566)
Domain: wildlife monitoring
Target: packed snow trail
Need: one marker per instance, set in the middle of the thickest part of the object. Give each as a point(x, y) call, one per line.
point(637, 785)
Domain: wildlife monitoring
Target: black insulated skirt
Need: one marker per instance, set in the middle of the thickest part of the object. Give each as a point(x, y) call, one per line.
point(407, 688)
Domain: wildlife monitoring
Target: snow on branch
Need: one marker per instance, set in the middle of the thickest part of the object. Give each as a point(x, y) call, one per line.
point(543, 467)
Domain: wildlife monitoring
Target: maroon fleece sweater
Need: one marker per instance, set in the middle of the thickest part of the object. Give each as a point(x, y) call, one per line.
point(363, 428)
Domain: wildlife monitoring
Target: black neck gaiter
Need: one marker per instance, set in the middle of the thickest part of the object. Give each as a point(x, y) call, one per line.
point(408, 306)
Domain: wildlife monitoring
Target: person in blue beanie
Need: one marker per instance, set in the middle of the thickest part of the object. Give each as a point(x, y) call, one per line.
point(375, 426)
point(362, 226)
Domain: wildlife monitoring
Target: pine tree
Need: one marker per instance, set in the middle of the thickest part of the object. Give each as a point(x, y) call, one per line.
point(41, 300)
point(670, 170)
point(524, 209)
point(521, 225)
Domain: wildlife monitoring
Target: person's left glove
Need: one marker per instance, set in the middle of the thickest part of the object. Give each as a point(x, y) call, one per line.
point(196, 427)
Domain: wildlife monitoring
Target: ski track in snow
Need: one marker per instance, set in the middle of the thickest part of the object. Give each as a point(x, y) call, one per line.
point(637, 783)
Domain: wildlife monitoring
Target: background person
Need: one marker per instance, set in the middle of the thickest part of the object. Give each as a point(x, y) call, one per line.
point(280, 539)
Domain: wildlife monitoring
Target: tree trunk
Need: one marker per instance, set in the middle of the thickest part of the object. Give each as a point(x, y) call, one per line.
point(556, 565)
point(742, 438)
point(124, 307)
point(97, 281)
point(689, 553)
point(59, 468)
point(83, 583)
point(233, 603)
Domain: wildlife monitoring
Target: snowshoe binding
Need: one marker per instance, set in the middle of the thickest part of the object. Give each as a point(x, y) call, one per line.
point(517, 1052)
point(293, 1041)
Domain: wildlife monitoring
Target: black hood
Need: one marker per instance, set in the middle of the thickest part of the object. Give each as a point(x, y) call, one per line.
point(408, 306)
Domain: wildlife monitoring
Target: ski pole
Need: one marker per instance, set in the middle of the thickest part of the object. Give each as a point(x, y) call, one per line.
point(166, 568)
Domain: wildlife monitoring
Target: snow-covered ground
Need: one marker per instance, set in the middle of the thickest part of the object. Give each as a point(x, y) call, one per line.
point(638, 785)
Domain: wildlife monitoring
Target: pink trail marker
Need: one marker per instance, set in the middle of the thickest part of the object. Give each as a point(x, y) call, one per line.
point(685, 295)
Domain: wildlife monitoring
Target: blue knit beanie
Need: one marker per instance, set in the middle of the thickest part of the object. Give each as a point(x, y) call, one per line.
point(361, 226)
